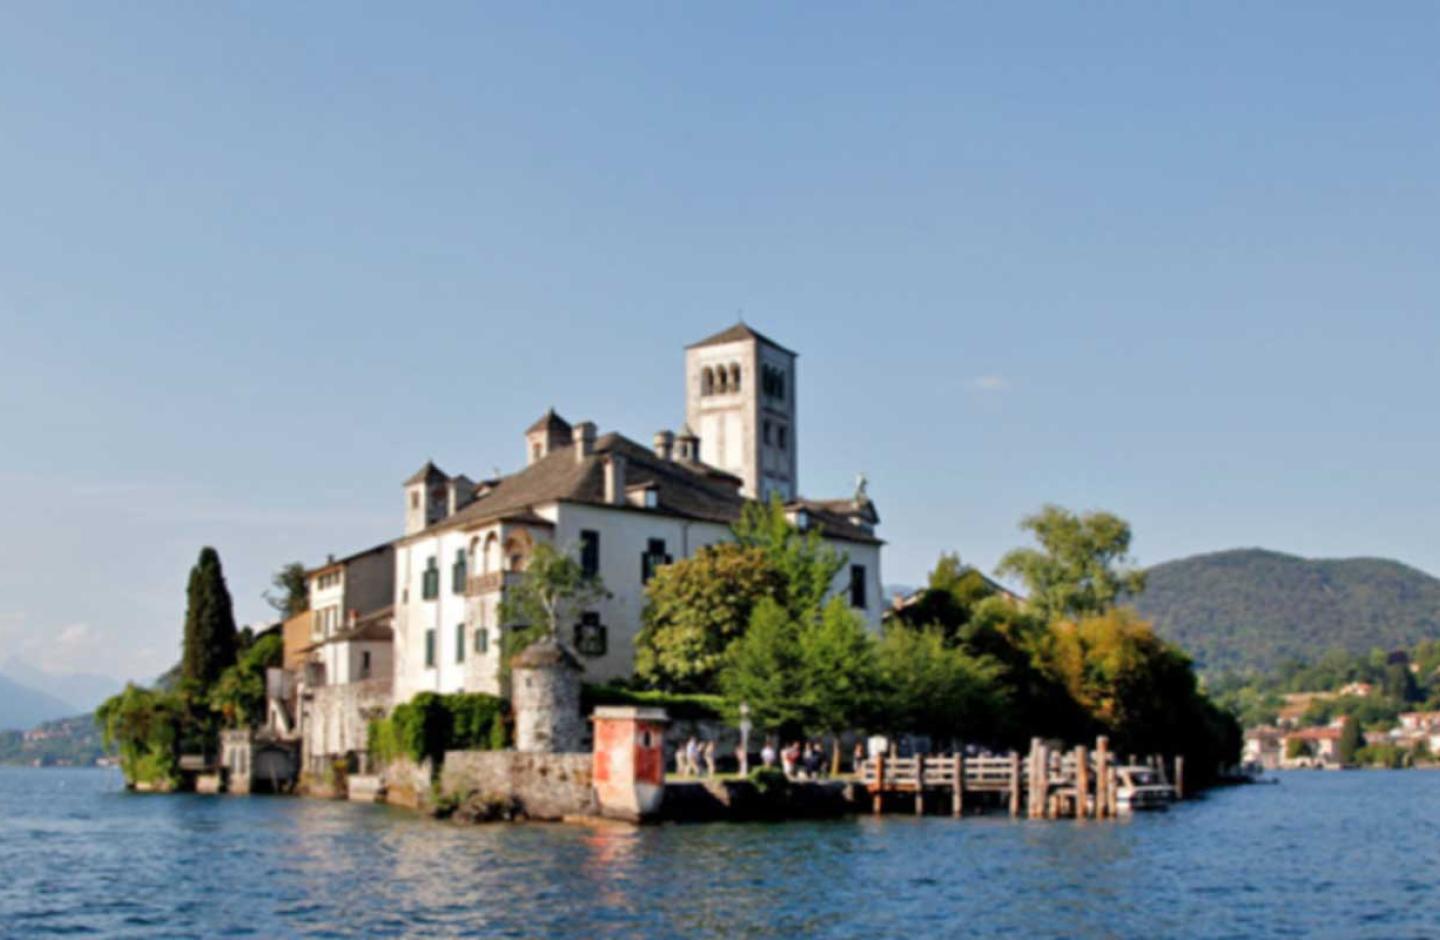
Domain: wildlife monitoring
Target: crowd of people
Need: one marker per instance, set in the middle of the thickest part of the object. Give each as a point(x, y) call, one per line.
point(800, 760)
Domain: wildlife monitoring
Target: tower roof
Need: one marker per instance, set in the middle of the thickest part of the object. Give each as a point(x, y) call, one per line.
point(739, 331)
point(427, 472)
point(549, 421)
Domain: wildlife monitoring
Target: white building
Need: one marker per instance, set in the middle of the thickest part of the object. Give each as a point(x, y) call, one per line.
point(622, 508)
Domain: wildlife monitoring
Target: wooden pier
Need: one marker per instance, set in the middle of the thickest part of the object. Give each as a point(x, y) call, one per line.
point(1047, 783)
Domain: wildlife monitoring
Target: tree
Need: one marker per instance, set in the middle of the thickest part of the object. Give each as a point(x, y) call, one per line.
point(695, 608)
point(554, 589)
point(239, 694)
point(1080, 568)
point(144, 726)
point(935, 689)
point(763, 670)
point(806, 565)
point(210, 635)
point(839, 675)
point(955, 590)
point(1351, 740)
point(1296, 748)
point(293, 589)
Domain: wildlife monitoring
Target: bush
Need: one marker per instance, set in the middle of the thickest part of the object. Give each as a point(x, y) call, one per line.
point(429, 725)
point(680, 706)
point(769, 781)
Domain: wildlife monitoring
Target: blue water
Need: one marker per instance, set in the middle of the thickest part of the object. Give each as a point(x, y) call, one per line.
point(1352, 854)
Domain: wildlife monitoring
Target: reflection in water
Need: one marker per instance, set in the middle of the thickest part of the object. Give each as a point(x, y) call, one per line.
point(1323, 854)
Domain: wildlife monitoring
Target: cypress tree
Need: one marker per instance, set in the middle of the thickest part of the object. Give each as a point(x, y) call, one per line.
point(210, 635)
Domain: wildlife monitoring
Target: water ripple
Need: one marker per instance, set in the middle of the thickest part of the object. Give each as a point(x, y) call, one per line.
point(1323, 855)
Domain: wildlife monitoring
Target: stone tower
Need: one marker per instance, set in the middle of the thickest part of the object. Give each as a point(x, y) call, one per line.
point(740, 402)
point(427, 498)
point(545, 697)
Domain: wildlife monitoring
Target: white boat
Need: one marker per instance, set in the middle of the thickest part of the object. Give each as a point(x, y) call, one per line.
point(1138, 787)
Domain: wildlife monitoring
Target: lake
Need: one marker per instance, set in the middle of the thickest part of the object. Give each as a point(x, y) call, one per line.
point(1323, 854)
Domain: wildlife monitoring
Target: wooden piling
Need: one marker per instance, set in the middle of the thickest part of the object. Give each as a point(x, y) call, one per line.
point(919, 784)
point(1014, 784)
point(1082, 782)
point(878, 797)
point(1102, 766)
point(1179, 776)
point(957, 786)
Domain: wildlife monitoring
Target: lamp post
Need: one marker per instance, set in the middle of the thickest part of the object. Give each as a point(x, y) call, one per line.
point(744, 739)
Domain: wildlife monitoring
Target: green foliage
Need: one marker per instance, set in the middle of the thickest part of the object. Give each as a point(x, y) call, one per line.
point(67, 742)
point(553, 590)
point(145, 728)
point(430, 724)
point(1253, 612)
point(239, 694)
point(933, 688)
point(1351, 740)
point(683, 706)
point(1296, 748)
point(763, 670)
point(770, 781)
point(1384, 755)
point(292, 591)
point(1079, 569)
point(955, 591)
point(805, 564)
point(695, 608)
point(1140, 690)
point(840, 678)
point(210, 638)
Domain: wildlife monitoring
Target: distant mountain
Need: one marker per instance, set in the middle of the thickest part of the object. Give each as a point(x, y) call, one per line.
point(1254, 609)
point(22, 707)
point(83, 690)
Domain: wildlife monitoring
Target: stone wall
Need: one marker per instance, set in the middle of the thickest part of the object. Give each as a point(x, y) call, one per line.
point(532, 785)
point(335, 719)
point(408, 783)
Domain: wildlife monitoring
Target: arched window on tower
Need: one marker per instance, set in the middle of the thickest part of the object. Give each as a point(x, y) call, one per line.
point(721, 380)
point(707, 381)
point(734, 377)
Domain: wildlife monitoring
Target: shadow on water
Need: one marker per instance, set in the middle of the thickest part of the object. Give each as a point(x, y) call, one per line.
point(1352, 854)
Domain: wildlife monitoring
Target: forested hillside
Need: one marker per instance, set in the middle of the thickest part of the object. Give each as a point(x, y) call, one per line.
point(1250, 609)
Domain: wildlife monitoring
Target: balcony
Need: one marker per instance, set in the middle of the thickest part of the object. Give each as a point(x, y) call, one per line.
point(479, 584)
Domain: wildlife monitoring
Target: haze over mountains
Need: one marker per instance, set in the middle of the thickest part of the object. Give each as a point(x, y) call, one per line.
point(1252, 609)
point(29, 696)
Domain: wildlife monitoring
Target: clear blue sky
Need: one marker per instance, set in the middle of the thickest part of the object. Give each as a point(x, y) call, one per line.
point(259, 262)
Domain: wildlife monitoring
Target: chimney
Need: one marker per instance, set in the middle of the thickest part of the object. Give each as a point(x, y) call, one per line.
point(615, 479)
point(459, 493)
point(687, 445)
point(665, 445)
point(584, 437)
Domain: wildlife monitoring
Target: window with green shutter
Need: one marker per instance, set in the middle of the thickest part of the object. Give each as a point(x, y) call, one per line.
point(429, 649)
point(482, 640)
point(653, 558)
point(457, 573)
point(430, 580)
point(589, 553)
point(459, 642)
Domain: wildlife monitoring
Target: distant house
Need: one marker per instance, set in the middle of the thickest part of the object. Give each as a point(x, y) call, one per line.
point(1264, 746)
point(1322, 747)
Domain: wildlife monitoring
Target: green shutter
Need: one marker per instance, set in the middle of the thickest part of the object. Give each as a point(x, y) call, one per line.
point(429, 649)
point(459, 642)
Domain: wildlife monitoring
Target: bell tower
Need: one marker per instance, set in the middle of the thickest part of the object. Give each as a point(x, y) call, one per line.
point(740, 402)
